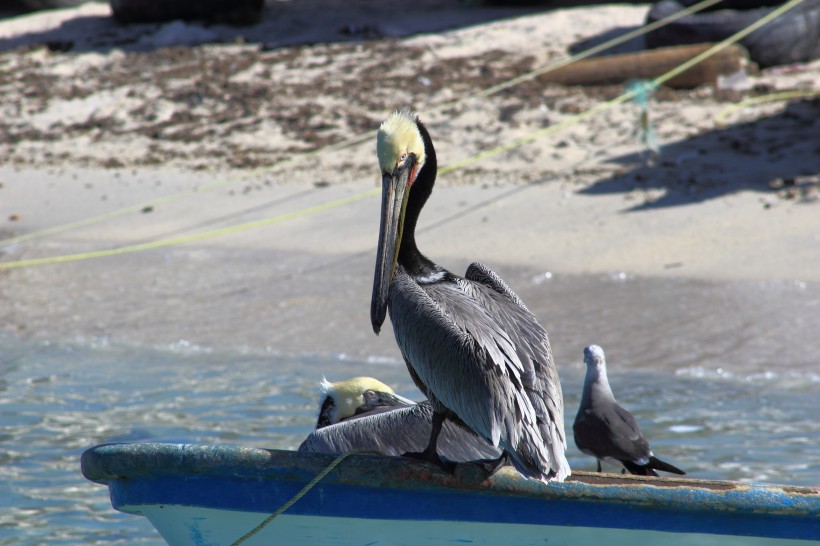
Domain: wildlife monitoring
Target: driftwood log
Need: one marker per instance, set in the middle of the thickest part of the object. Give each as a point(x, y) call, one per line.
point(647, 65)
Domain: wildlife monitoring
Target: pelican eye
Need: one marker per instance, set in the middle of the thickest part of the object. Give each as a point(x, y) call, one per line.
point(369, 395)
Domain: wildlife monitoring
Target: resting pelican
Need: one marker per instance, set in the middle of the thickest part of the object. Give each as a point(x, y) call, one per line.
point(386, 423)
point(355, 397)
point(470, 344)
point(605, 430)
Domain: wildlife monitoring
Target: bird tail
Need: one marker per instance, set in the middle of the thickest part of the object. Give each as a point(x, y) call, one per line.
point(658, 464)
point(639, 469)
point(543, 457)
point(650, 467)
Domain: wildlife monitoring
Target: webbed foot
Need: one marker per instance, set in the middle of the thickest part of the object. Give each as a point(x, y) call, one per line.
point(491, 466)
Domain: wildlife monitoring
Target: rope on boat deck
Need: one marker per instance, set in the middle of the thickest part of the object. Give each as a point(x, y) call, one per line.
point(601, 107)
point(333, 464)
point(364, 137)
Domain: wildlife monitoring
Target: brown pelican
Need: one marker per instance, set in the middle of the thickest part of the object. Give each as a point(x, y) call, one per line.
point(355, 397)
point(470, 344)
point(386, 423)
point(605, 430)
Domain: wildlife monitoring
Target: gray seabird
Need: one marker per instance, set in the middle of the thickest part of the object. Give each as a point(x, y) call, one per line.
point(607, 431)
point(388, 424)
point(470, 345)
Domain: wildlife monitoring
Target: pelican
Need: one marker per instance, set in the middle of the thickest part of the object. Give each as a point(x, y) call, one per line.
point(355, 397)
point(605, 430)
point(386, 423)
point(471, 346)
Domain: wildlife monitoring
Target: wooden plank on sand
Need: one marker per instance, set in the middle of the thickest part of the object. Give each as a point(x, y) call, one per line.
point(647, 65)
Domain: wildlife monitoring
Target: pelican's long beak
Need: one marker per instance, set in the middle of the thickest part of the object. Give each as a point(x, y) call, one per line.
point(380, 399)
point(395, 190)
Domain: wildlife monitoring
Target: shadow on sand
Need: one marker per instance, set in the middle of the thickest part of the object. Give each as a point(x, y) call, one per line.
point(741, 157)
point(283, 24)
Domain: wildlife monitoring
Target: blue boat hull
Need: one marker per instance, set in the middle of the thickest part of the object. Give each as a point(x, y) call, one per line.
point(216, 494)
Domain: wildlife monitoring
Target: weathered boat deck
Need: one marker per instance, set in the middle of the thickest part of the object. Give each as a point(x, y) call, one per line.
point(392, 488)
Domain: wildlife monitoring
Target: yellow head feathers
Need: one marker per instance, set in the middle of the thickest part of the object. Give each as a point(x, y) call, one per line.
point(348, 394)
point(398, 136)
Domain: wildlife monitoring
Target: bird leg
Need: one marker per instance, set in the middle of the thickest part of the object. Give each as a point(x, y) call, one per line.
point(599, 464)
point(491, 466)
point(430, 453)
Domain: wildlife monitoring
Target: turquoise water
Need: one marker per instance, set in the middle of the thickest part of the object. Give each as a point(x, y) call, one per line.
point(718, 406)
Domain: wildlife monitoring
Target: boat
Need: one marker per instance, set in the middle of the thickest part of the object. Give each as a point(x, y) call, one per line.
point(224, 495)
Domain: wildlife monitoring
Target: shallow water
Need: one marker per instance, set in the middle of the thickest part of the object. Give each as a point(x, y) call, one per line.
point(723, 378)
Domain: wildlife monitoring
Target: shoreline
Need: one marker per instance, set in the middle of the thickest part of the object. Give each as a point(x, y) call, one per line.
point(275, 285)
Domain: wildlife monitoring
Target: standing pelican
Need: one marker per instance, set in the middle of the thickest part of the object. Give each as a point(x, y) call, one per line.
point(605, 430)
point(369, 416)
point(470, 344)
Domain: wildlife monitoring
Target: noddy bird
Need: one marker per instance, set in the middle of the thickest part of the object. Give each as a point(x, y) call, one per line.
point(471, 346)
point(607, 431)
point(386, 423)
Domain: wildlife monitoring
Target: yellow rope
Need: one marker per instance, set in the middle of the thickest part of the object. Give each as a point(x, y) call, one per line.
point(297, 496)
point(640, 31)
point(177, 196)
point(358, 138)
point(720, 119)
point(444, 170)
point(660, 80)
point(629, 95)
point(190, 238)
point(314, 209)
point(736, 37)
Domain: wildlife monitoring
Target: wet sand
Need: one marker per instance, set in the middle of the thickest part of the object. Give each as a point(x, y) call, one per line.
point(644, 284)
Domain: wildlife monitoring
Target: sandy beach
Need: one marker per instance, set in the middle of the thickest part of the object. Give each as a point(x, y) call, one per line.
point(98, 117)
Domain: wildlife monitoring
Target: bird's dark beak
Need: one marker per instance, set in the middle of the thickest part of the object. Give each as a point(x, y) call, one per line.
point(376, 399)
point(395, 191)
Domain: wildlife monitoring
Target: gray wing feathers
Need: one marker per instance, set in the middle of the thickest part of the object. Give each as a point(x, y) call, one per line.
point(398, 432)
point(447, 346)
point(513, 399)
point(482, 274)
point(541, 377)
point(609, 431)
